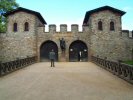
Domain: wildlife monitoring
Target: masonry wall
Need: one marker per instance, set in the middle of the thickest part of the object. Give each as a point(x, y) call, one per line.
point(106, 43)
point(17, 47)
point(127, 40)
point(20, 44)
point(69, 37)
point(114, 45)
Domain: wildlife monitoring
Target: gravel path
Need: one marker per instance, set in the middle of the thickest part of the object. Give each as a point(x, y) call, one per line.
point(66, 81)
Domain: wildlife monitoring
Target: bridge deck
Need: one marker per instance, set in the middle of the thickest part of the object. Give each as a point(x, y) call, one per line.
point(67, 81)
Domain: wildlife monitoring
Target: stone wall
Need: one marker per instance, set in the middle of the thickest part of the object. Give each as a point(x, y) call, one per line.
point(20, 44)
point(69, 37)
point(106, 43)
point(114, 45)
point(106, 17)
point(127, 40)
point(17, 46)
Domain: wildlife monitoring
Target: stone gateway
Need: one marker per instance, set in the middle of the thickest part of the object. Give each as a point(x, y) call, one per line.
point(102, 36)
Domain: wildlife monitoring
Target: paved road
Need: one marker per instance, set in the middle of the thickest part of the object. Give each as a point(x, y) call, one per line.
point(67, 81)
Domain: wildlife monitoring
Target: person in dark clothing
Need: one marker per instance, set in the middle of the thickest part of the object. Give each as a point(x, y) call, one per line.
point(52, 57)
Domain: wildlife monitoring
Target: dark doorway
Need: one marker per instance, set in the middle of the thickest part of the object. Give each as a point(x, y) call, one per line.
point(45, 48)
point(78, 51)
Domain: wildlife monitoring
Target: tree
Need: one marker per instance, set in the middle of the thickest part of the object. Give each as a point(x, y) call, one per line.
point(5, 6)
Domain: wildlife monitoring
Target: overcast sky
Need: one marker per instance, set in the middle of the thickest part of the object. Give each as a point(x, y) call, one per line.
point(73, 11)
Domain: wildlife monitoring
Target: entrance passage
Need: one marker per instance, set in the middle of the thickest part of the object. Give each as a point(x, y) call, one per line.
point(45, 48)
point(78, 51)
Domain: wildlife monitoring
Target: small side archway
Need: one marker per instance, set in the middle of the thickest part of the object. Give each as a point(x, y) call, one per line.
point(78, 51)
point(45, 48)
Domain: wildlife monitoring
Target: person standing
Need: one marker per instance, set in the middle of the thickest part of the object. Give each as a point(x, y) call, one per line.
point(52, 57)
point(80, 56)
point(80, 53)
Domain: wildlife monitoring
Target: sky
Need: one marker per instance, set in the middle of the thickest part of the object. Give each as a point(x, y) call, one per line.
point(73, 11)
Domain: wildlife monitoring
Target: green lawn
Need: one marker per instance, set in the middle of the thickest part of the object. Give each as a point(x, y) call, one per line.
point(129, 62)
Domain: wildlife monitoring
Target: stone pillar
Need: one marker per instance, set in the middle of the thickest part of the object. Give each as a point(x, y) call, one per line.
point(74, 28)
point(63, 28)
point(52, 28)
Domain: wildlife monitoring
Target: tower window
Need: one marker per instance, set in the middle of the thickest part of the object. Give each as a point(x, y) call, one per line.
point(112, 28)
point(100, 25)
point(15, 27)
point(26, 26)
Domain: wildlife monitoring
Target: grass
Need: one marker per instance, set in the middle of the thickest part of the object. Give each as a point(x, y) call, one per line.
point(128, 62)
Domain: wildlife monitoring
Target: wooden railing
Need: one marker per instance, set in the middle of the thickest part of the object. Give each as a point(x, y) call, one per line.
point(8, 67)
point(119, 69)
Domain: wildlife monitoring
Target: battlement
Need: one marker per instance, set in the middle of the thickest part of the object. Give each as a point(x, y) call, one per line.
point(127, 34)
point(52, 28)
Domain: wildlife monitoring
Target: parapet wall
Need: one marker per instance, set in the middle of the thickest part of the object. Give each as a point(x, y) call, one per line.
point(127, 34)
point(52, 28)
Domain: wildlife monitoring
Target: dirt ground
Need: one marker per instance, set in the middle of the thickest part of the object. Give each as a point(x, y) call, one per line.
point(65, 81)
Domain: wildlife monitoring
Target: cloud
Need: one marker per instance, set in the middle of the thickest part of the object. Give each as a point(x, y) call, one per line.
point(127, 8)
point(126, 26)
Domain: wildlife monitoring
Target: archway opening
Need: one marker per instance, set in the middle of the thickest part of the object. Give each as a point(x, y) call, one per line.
point(45, 48)
point(78, 51)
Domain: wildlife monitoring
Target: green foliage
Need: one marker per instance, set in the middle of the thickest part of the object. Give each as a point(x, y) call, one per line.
point(129, 62)
point(5, 6)
point(2, 28)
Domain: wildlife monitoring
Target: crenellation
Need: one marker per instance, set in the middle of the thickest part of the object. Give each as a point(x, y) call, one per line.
point(63, 28)
point(74, 28)
point(127, 34)
point(131, 34)
point(52, 28)
point(126, 31)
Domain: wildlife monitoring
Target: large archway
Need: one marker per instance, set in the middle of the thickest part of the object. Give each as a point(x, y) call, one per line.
point(78, 51)
point(45, 48)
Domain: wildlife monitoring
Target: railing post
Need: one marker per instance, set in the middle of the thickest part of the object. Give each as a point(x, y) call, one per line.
point(11, 66)
point(119, 68)
point(0, 68)
point(131, 77)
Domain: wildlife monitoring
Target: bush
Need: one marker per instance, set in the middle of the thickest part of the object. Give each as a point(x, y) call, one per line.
point(128, 62)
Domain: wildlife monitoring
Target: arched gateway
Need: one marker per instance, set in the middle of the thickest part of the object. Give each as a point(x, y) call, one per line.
point(45, 48)
point(78, 51)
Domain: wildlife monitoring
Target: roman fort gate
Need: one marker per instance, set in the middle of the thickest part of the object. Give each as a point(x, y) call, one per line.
point(102, 36)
